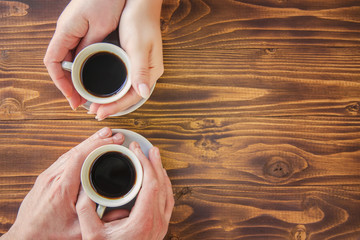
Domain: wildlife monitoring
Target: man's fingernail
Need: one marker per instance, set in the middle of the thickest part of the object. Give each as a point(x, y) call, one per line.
point(156, 152)
point(144, 90)
point(136, 145)
point(104, 132)
point(72, 107)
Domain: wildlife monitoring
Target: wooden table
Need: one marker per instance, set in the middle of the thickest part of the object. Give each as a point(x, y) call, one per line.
point(257, 115)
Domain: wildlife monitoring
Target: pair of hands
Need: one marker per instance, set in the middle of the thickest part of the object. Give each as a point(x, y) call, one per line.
point(55, 208)
point(84, 22)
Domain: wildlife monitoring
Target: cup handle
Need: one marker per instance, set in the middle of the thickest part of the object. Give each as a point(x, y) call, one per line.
point(100, 210)
point(66, 65)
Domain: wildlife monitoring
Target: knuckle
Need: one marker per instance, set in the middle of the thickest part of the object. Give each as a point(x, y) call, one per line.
point(43, 178)
point(63, 158)
point(148, 225)
point(60, 189)
point(106, 26)
point(81, 208)
point(142, 74)
point(74, 152)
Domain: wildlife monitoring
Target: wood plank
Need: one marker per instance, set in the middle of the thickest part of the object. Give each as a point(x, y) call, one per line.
point(209, 151)
point(256, 115)
point(241, 212)
point(266, 213)
point(251, 82)
point(229, 24)
point(195, 24)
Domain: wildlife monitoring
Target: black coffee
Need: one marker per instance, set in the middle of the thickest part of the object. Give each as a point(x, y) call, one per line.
point(112, 175)
point(103, 74)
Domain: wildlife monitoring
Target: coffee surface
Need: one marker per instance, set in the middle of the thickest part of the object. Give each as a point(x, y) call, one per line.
point(103, 74)
point(112, 175)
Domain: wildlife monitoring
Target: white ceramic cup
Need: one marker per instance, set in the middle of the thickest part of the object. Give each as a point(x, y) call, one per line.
point(75, 68)
point(102, 201)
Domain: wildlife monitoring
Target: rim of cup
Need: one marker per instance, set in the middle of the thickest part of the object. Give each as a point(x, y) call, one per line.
point(88, 52)
point(85, 176)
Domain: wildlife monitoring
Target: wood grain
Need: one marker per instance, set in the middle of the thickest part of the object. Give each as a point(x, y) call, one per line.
point(257, 115)
point(283, 173)
point(266, 213)
point(254, 82)
point(229, 24)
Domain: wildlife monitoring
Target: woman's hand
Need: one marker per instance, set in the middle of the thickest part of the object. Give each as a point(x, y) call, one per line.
point(140, 37)
point(83, 22)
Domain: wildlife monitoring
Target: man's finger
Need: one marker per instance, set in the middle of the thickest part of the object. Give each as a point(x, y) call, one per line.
point(155, 159)
point(115, 215)
point(147, 201)
point(79, 153)
point(90, 223)
point(170, 202)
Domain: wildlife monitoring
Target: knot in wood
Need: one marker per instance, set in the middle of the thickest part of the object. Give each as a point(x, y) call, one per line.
point(163, 25)
point(270, 50)
point(4, 55)
point(203, 124)
point(140, 123)
point(208, 143)
point(299, 233)
point(354, 108)
point(13, 9)
point(277, 168)
point(10, 108)
point(182, 192)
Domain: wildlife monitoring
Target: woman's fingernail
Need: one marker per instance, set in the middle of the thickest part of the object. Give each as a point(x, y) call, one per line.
point(144, 90)
point(104, 132)
point(90, 112)
point(118, 137)
point(99, 118)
